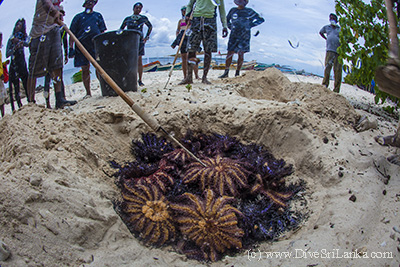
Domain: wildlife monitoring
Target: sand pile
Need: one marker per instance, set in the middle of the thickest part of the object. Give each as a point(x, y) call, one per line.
point(56, 187)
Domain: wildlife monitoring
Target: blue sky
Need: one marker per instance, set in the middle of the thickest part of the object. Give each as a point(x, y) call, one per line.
point(295, 20)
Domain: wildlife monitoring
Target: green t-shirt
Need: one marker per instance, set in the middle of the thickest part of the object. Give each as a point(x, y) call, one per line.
point(206, 8)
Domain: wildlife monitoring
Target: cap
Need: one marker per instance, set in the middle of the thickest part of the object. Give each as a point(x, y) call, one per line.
point(333, 14)
point(94, 1)
point(137, 4)
point(241, 2)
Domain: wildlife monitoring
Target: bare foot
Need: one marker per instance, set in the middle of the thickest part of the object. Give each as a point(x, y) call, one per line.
point(365, 124)
point(386, 140)
point(205, 81)
point(394, 159)
point(186, 81)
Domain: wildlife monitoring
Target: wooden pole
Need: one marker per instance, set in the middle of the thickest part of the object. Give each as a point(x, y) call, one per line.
point(139, 111)
point(177, 52)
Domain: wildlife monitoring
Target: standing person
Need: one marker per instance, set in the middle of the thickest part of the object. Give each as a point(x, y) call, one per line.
point(136, 22)
point(18, 68)
point(331, 59)
point(240, 21)
point(3, 91)
point(45, 49)
point(180, 30)
point(85, 26)
point(47, 78)
point(204, 30)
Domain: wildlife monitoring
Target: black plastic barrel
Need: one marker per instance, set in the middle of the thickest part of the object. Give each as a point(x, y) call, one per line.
point(117, 53)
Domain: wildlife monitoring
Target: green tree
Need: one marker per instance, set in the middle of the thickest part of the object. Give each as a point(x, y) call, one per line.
point(364, 39)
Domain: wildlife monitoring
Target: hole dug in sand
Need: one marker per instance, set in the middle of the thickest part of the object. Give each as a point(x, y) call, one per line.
point(246, 193)
point(237, 196)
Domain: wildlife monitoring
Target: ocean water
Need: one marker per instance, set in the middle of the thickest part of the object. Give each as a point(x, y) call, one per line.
point(67, 75)
point(69, 72)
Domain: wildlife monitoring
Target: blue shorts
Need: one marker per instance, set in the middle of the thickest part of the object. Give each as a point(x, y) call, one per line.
point(239, 42)
point(141, 48)
point(80, 60)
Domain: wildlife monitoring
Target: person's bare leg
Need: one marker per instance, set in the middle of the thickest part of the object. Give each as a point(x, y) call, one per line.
point(207, 63)
point(48, 102)
point(390, 140)
point(31, 89)
point(192, 60)
point(140, 69)
point(86, 79)
point(196, 71)
point(228, 62)
point(184, 64)
point(239, 63)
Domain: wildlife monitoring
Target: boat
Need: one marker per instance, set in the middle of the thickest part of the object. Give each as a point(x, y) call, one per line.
point(167, 67)
point(179, 55)
point(290, 70)
point(212, 64)
point(262, 66)
point(246, 66)
point(220, 67)
point(151, 67)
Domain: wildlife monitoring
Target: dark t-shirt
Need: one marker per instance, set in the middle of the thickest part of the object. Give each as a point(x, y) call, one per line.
point(240, 21)
point(86, 26)
point(136, 22)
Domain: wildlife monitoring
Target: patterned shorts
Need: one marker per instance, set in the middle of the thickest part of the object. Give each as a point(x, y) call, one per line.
point(203, 30)
point(46, 53)
point(239, 42)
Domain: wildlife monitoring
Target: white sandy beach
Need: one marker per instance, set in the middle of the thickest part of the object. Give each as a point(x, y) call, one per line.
point(56, 191)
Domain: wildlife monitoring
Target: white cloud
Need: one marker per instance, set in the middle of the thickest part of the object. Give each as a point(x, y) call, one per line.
point(163, 33)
